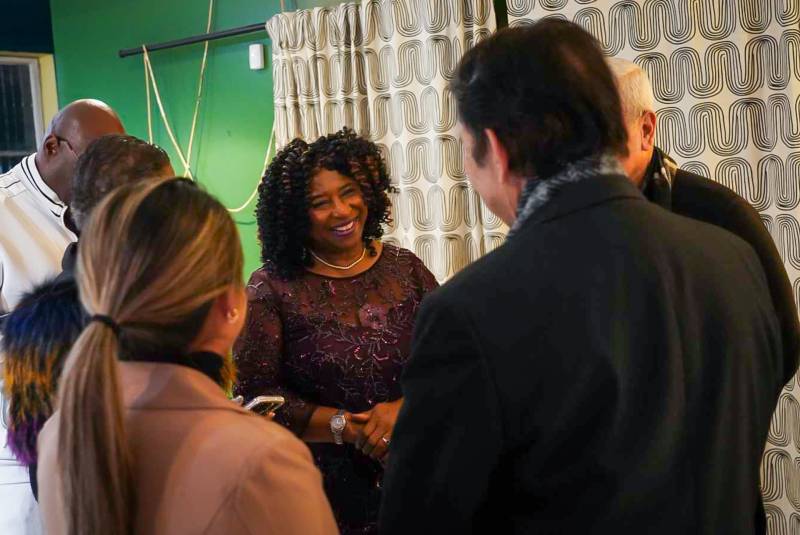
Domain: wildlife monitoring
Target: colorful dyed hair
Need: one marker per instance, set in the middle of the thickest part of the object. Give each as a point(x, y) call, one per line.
point(37, 337)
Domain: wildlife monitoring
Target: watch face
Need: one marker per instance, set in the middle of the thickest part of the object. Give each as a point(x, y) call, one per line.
point(338, 423)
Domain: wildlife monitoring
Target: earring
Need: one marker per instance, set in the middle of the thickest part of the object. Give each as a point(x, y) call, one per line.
point(232, 315)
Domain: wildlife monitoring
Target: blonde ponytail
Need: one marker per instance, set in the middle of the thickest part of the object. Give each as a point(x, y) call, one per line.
point(152, 258)
point(95, 462)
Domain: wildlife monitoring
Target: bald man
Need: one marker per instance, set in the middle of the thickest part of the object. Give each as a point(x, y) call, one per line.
point(35, 230)
point(34, 195)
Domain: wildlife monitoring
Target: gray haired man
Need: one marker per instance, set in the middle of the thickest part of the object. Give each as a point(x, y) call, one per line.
point(697, 197)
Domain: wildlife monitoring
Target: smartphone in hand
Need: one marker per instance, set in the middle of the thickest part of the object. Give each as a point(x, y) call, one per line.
point(265, 405)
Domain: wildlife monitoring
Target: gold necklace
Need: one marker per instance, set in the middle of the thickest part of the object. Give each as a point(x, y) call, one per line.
point(334, 266)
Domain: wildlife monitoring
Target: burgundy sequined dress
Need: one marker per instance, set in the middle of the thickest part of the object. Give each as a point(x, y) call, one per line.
point(337, 342)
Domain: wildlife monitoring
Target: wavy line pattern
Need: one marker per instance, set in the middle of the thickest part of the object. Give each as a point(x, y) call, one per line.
point(796, 286)
point(441, 252)
point(762, 124)
point(441, 210)
point(776, 520)
point(787, 237)
point(345, 70)
point(764, 62)
point(769, 223)
point(358, 25)
point(427, 158)
point(726, 78)
point(772, 181)
point(643, 25)
point(785, 429)
point(780, 478)
point(382, 67)
point(393, 113)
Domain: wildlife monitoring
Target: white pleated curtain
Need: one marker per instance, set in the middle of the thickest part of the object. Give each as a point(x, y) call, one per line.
point(381, 67)
point(726, 77)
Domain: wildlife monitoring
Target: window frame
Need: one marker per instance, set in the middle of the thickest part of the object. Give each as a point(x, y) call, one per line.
point(36, 92)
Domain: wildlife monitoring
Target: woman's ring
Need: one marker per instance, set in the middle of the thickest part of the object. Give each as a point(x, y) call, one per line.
point(385, 440)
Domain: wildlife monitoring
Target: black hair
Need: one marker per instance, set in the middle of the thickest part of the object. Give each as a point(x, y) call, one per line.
point(108, 162)
point(546, 92)
point(283, 204)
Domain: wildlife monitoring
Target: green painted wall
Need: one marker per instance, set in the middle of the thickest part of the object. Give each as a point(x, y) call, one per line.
point(236, 113)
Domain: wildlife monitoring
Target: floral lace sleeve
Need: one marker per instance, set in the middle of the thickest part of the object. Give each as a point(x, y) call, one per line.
point(258, 354)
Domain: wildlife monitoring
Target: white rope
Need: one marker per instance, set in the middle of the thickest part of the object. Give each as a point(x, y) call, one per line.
point(200, 84)
point(171, 135)
point(270, 148)
point(150, 79)
point(147, 92)
point(185, 158)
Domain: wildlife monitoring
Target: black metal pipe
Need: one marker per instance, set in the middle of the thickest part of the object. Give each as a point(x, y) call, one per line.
point(251, 28)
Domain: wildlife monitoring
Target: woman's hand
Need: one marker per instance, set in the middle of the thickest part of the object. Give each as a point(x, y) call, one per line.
point(352, 430)
point(378, 425)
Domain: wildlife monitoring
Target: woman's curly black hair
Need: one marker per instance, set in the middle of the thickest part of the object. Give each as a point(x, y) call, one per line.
point(283, 195)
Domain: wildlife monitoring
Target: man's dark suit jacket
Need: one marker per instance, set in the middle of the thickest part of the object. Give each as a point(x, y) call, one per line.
point(703, 199)
point(612, 368)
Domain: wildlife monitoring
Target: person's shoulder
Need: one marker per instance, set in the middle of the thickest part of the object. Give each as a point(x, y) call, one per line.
point(14, 203)
point(692, 189)
point(276, 439)
point(696, 223)
point(260, 276)
point(401, 255)
point(695, 182)
point(253, 440)
point(261, 432)
point(263, 281)
point(240, 432)
point(701, 198)
point(480, 279)
point(393, 251)
point(11, 186)
point(11, 181)
point(709, 244)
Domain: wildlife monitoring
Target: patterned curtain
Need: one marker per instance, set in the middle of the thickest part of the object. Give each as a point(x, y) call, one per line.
point(381, 67)
point(726, 76)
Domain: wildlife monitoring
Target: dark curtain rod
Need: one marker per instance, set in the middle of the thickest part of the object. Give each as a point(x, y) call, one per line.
point(251, 28)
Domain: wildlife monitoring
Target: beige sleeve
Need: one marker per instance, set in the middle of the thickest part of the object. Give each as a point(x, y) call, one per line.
point(281, 493)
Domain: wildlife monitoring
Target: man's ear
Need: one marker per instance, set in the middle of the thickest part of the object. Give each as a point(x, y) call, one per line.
point(648, 130)
point(50, 145)
point(497, 156)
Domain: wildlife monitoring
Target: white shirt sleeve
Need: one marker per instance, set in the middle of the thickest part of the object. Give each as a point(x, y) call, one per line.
point(4, 308)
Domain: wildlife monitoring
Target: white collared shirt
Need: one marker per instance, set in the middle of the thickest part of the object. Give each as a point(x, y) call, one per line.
point(33, 235)
point(33, 238)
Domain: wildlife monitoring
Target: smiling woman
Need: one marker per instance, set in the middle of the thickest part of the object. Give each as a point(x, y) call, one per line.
point(331, 313)
point(309, 197)
point(338, 214)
